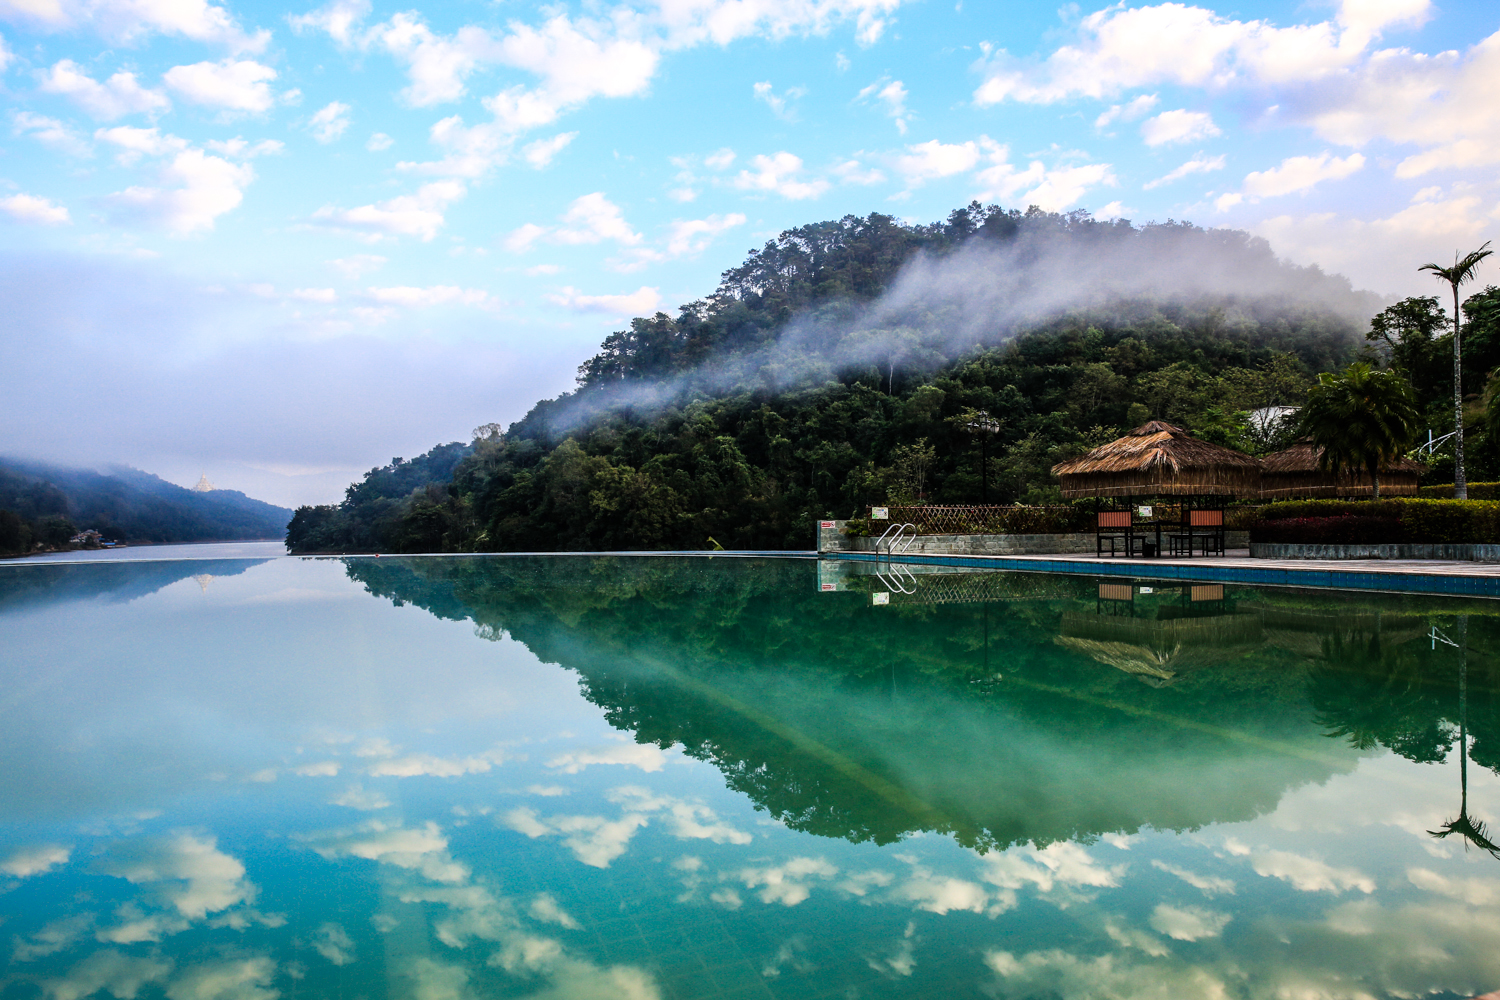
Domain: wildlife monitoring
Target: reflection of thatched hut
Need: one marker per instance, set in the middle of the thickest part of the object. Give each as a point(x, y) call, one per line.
point(1295, 473)
point(1159, 651)
point(1158, 459)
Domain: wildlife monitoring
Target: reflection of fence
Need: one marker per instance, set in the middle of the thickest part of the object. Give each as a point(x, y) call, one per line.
point(977, 588)
point(992, 520)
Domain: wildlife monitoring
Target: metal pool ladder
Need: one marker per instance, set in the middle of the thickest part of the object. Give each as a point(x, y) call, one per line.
point(895, 535)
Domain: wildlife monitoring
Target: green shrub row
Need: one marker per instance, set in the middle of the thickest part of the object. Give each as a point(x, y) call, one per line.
point(1477, 491)
point(1346, 529)
point(1422, 521)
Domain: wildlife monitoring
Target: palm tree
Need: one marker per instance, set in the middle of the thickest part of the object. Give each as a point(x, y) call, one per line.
point(1461, 271)
point(1360, 418)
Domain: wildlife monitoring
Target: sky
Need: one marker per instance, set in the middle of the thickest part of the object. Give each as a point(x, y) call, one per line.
point(282, 244)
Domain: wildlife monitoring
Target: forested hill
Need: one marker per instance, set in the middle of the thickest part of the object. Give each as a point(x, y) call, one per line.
point(840, 365)
point(42, 505)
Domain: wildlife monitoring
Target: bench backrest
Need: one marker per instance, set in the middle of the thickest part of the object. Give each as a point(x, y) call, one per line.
point(1114, 519)
point(1207, 592)
point(1206, 518)
point(1116, 592)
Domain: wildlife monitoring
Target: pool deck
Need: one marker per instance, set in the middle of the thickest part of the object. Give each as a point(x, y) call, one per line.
point(1410, 576)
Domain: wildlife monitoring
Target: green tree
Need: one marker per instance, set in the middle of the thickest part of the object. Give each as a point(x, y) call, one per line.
point(1461, 271)
point(1361, 418)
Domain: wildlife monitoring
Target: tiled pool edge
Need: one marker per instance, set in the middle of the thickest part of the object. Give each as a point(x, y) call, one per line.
point(1395, 581)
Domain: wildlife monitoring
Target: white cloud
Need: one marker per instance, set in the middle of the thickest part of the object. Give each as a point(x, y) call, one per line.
point(542, 270)
point(185, 871)
point(39, 859)
point(358, 265)
point(542, 152)
point(422, 849)
point(334, 943)
point(52, 937)
point(30, 208)
point(330, 122)
point(324, 296)
point(1210, 885)
point(355, 797)
point(546, 909)
point(1050, 190)
point(646, 756)
point(123, 976)
point(232, 84)
point(118, 96)
point(49, 132)
point(685, 238)
point(594, 840)
point(592, 219)
point(419, 214)
point(765, 93)
point(1128, 112)
point(788, 884)
point(197, 189)
point(933, 160)
point(1310, 874)
point(1178, 126)
point(893, 95)
point(1187, 923)
point(226, 979)
point(941, 894)
point(1199, 164)
point(686, 819)
point(130, 20)
point(780, 174)
point(339, 19)
point(855, 172)
point(521, 238)
point(642, 302)
point(719, 160)
point(1120, 47)
point(379, 141)
point(1298, 173)
point(415, 765)
point(245, 150)
point(135, 142)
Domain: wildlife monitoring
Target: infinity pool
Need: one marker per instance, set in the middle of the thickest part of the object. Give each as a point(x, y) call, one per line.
point(580, 777)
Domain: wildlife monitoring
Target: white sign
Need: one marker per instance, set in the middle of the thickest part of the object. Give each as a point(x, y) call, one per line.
point(880, 513)
point(1144, 511)
point(883, 597)
point(1147, 590)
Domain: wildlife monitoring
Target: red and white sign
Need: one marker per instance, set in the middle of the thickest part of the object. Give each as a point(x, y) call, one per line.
point(826, 524)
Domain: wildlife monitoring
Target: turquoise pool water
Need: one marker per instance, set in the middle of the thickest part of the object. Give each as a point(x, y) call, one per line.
point(578, 777)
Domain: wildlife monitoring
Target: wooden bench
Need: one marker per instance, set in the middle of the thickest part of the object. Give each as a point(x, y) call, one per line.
point(1199, 526)
point(1113, 526)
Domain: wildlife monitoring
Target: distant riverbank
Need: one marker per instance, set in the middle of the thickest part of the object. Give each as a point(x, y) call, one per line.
point(180, 550)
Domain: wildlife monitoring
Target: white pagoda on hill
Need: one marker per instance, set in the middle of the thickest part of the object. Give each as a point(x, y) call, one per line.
point(204, 486)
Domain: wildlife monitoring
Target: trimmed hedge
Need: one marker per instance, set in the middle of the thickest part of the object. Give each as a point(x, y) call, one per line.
point(1477, 491)
point(1348, 529)
point(1420, 521)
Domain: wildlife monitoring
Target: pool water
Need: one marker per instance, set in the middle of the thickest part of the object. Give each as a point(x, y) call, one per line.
point(659, 777)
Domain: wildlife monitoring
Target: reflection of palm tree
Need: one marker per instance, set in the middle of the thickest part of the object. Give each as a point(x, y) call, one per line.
point(1473, 831)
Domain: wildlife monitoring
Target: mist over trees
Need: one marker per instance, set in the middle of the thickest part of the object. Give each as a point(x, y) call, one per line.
point(839, 364)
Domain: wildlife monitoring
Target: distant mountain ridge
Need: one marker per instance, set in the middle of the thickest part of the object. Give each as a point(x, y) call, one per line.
point(43, 503)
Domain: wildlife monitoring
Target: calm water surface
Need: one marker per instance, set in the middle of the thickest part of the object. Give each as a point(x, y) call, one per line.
point(575, 777)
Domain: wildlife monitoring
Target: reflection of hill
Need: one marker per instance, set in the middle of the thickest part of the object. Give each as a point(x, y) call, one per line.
point(874, 722)
point(115, 582)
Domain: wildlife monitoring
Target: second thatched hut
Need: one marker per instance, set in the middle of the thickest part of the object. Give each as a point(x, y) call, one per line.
point(1294, 473)
point(1158, 459)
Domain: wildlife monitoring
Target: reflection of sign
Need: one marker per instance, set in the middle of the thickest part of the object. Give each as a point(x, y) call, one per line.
point(1144, 511)
point(880, 513)
point(881, 598)
point(828, 586)
point(826, 524)
point(1148, 590)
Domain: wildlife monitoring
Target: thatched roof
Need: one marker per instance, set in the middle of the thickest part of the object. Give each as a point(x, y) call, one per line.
point(1295, 472)
point(1158, 458)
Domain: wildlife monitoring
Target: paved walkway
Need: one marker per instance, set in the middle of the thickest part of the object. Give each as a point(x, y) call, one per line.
point(1398, 575)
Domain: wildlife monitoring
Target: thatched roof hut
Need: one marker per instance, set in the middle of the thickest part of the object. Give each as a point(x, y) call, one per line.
point(1158, 459)
point(1295, 473)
